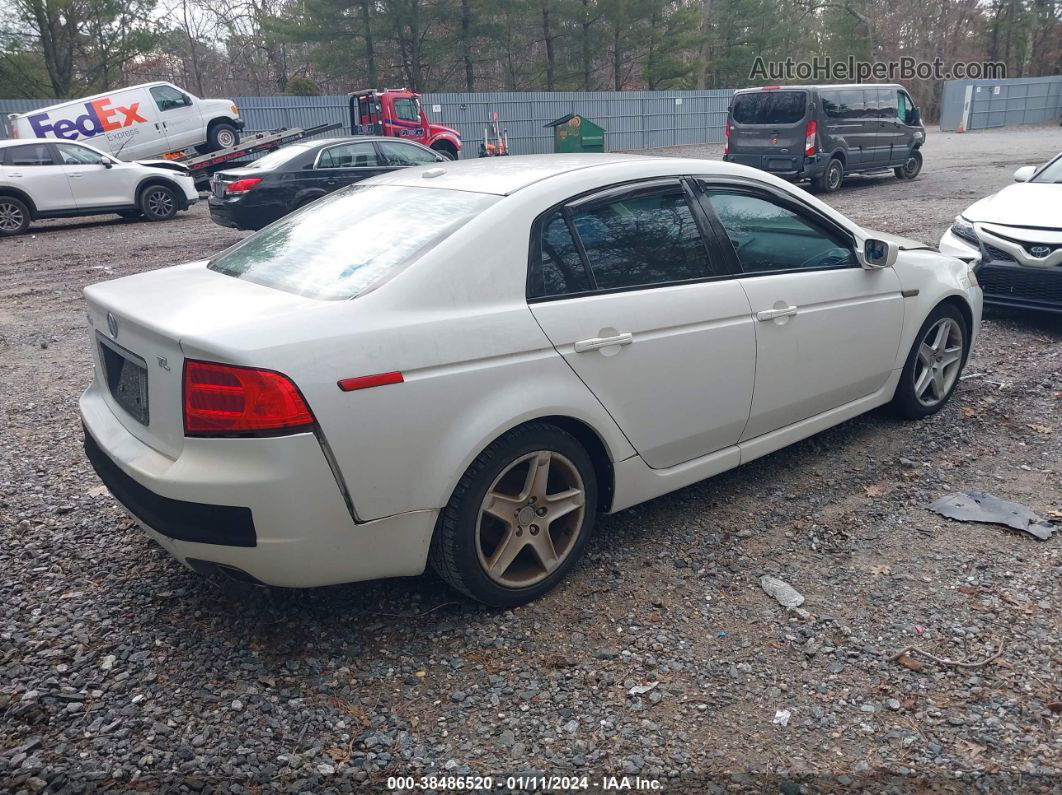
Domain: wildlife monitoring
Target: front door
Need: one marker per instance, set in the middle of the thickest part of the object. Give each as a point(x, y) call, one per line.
point(406, 120)
point(827, 330)
point(92, 183)
point(180, 117)
point(627, 291)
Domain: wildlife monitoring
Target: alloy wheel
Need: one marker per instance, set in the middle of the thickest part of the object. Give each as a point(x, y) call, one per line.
point(939, 362)
point(11, 217)
point(530, 519)
point(160, 203)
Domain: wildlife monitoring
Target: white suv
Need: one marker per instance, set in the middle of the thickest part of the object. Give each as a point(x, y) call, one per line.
point(59, 179)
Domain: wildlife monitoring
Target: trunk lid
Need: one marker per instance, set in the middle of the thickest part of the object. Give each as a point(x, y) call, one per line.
point(137, 325)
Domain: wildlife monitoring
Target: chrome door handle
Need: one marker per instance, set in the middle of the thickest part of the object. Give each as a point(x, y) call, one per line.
point(771, 314)
point(75, 176)
point(595, 343)
point(14, 174)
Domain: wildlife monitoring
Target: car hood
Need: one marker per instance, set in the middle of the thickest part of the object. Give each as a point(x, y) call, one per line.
point(1027, 204)
point(904, 243)
point(168, 165)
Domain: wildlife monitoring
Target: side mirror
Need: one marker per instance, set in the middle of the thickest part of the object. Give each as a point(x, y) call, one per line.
point(187, 100)
point(878, 254)
point(106, 163)
point(1024, 174)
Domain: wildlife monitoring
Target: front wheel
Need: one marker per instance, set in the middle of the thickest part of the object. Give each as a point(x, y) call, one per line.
point(519, 518)
point(832, 179)
point(158, 203)
point(911, 166)
point(222, 136)
point(446, 152)
point(934, 364)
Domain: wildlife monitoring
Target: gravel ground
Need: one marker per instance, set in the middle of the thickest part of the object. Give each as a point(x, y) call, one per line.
point(121, 670)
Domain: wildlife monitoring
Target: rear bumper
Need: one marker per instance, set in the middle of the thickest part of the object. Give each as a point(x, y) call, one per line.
point(237, 215)
point(269, 507)
point(785, 166)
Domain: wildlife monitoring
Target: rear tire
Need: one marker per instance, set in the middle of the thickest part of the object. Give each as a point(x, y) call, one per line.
point(14, 216)
point(934, 364)
point(158, 203)
point(222, 136)
point(911, 167)
point(831, 179)
point(508, 535)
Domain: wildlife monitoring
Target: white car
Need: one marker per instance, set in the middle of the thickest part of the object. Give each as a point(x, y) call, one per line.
point(468, 362)
point(1014, 239)
point(52, 179)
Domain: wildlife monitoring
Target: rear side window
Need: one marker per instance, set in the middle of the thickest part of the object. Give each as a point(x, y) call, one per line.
point(887, 103)
point(844, 104)
point(562, 267)
point(769, 107)
point(29, 155)
point(338, 246)
point(642, 240)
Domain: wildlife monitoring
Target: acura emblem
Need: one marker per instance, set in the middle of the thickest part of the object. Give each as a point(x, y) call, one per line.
point(112, 325)
point(1039, 251)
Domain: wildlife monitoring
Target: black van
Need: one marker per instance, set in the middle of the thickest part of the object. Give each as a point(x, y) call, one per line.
point(822, 133)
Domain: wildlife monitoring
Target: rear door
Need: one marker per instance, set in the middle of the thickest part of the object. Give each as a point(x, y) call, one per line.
point(843, 109)
point(344, 164)
point(35, 169)
point(646, 313)
point(180, 117)
point(827, 330)
point(767, 129)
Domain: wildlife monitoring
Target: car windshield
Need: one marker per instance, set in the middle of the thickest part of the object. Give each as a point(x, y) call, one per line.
point(769, 107)
point(277, 158)
point(342, 244)
point(1052, 172)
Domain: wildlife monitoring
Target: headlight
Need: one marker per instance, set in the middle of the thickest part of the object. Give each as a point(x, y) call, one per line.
point(971, 277)
point(963, 229)
point(234, 109)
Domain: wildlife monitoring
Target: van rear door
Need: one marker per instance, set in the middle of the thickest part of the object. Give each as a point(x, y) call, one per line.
point(767, 129)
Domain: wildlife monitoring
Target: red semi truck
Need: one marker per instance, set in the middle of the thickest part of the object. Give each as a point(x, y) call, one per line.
point(397, 113)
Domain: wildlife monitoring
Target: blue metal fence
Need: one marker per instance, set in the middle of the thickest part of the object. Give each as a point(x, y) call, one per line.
point(632, 119)
point(981, 104)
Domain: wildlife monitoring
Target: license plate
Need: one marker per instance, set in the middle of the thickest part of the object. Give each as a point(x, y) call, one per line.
point(127, 380)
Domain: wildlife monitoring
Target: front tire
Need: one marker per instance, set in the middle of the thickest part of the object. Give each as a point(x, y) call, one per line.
point(934, 364)
point(14, 216)
point(158, 203)
point(832, 178)
point(222, 136)
point(911, 167)
point(519, 518)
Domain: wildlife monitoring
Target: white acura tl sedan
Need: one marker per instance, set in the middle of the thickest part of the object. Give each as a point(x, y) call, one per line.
point(467, 363)
point(1014, 239)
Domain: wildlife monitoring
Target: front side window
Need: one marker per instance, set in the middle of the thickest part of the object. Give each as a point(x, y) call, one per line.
point(168, 97)
point(400, 154)
point(344, 243)
point(29, 155)
point(406, 110)
point(360, 155)
point(903, 107)
point(644, 239)
point(769, 237)
point(74, 155)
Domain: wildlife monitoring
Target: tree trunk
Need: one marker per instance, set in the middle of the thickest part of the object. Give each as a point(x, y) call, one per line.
point(547, 37)
point(370, 49)
point(704, 52)
point(587, 62)
point(466, 44)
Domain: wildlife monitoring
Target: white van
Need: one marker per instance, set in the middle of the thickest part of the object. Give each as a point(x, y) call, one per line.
point(137, 122)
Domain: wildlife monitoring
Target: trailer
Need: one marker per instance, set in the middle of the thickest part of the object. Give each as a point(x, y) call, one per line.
point(201, 167)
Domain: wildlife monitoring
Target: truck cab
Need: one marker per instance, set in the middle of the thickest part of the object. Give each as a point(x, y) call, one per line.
point(397, 113)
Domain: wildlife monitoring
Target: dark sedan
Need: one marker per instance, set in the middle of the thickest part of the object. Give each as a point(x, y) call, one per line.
point(273, 186)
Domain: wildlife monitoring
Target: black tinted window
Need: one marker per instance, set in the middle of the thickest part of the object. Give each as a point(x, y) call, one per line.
point(769, 107)
point(403, 154)
point(870, 103)
point(562, 267)
point(643, 239)
point(769, 237)
point(844, 104)
point(887, 103)
point(29, 155)
point(359, 155)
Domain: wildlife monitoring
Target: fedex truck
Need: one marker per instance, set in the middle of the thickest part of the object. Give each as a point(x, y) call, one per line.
point(138, 122)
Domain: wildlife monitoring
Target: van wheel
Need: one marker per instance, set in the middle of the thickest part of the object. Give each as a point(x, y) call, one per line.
point(14, 216)
point(832, 179)
point(519, 518)
point(158, 203)
point(911, 167)
point(222, 136)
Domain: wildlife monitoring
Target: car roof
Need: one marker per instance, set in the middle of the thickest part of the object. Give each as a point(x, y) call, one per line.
point(351, 139)
point(91, 97)
point(500, 175)
point(817, 87)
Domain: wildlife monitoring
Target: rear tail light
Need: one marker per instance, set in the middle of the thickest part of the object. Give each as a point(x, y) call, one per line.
point(726, 138)
point(809, 138)
point(241, 185)
point(222, 399)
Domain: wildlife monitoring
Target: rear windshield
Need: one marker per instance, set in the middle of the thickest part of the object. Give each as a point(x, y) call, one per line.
point(340, 245)
point(769, 107)
point(280, 156)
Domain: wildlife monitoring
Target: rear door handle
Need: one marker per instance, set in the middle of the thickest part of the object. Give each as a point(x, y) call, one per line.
point(595, 343)
point(771, 314)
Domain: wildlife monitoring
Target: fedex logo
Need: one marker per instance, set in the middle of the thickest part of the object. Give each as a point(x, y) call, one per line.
point(99, 117)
